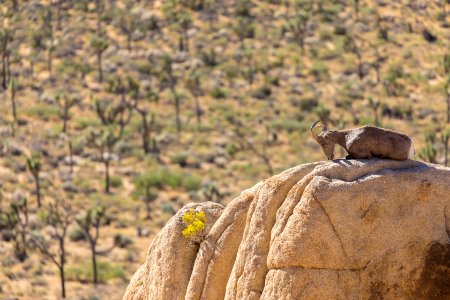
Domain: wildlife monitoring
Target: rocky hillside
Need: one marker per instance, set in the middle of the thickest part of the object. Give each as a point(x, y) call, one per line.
point(341, 230)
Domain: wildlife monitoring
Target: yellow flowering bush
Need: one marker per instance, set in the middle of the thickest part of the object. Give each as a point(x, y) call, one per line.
point(195, 223)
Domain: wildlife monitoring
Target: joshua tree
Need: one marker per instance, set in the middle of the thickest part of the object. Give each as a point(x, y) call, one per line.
point(34, 166)
point(351, 45)
point(99, 45)
point(6, 37)
point(211, 12)
point(298, 22)
point(194, 86)
point(147, 124)
point(59, 4)
point(46, 18)
point(67, 139)
point(170, 80)
point(177, 13)
point(65, 103)
point(58, 216)
point(429, 151)
point(128, 23)
point(375, 105)
point(356, 8)
point(50, 48)
point(99, 8)
point(12, 87)
point(260, 151)
point(144, 185)
point(104, 139)
point(17, 221)
point(90, 222)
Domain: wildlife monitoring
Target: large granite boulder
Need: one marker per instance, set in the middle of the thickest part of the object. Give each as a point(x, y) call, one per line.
point(347, 229)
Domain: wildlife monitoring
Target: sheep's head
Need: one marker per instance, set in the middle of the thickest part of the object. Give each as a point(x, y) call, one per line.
point(319, 133)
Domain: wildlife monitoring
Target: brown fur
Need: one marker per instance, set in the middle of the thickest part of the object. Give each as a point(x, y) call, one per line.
point(367, 142)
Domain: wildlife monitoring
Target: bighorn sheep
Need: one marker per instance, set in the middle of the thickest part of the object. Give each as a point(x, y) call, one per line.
point(365, 142)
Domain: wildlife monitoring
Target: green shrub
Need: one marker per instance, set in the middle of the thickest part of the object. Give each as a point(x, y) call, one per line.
point(262, 92)
point(319, 70)
point(290, 125)
point(83, 123)
point(106, 271)
point(43, 111)
point(157, 179)
point(77, 235)
point(191, 183)
point(218, 93)
point(122, 241)
point(115, 181)
point(161, 178)
point(308, 104)
point(180, 158)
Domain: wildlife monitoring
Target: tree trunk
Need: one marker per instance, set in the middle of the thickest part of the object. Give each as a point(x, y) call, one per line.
point(129, 41)
point(198, 112)
point(31, 68)
point(8, 69)
point(71, 157)
point(106, 161)
point(148, 209)
point(177, 114)
point(186, 40)
point(268, 164)
point(448, 103)
point(65, 117)
point(94, 263)
point(100, 70)
point(58, 15)
point(14, 113)
point(61, 268)
point(4, 71)
point(446, 152)
point(49, 62)
point(145, 134)
point(38, 189)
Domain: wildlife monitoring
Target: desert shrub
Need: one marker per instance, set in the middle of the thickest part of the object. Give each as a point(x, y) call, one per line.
point(180, 158)
point(340, 30)
point(218, 93)
point(77, 235)
point(209, 58)
point(191, 183)
point(122, 241)
point(161, 178)
point(44, 111)
point(262, 92)
point(106, 271)
point(319, 70)
point(308, 104)
point(115, 181)
point(290, 125)
point(83, 123)
point(195, 223)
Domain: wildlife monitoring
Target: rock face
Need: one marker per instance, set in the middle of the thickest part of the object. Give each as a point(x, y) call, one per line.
point(347, 229)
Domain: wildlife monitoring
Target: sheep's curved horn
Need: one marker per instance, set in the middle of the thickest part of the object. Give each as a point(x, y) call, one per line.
point(314, 126)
